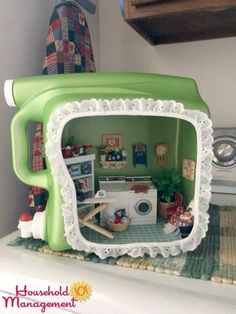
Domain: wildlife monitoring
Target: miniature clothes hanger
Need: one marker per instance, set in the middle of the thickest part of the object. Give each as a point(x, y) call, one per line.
point(88, 5)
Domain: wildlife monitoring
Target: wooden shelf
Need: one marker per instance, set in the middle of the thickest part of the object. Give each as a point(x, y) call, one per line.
point(172, 21)
point(113, 164)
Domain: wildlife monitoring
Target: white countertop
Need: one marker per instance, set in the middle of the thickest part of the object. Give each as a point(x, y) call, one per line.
point(115, 290)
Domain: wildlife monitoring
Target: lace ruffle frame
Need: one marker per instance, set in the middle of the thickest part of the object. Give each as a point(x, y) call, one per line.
point(139, 107)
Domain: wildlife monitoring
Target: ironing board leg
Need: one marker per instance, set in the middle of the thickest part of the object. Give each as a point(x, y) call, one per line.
point(96, 228)
point(92, 213)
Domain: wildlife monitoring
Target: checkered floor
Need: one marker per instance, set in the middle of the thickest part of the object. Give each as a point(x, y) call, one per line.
point(134, 234)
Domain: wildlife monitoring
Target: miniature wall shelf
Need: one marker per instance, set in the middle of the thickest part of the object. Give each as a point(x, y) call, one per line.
point(113, 165)
point(161, 22)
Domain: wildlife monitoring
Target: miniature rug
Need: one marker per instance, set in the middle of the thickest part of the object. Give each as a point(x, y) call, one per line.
point(214, 259)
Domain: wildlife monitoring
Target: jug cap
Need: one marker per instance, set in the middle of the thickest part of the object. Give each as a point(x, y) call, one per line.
point(8, 93)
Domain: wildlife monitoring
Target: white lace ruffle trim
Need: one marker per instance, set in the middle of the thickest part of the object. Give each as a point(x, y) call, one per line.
point(140, 107)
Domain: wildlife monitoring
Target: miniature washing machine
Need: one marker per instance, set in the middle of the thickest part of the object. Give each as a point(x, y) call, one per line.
point(115, 188)
point(142, 205)
point(224, 166)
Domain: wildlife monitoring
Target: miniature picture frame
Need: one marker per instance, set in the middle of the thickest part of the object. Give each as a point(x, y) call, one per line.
point(140, 154)
point(189, 169)
point(112, 141)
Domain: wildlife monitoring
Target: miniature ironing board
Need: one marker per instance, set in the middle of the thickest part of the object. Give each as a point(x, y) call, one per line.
point(104, 202)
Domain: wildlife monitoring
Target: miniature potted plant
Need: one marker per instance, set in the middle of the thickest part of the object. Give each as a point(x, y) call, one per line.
point(67, 150)
point(168, 183)
point(103, 154)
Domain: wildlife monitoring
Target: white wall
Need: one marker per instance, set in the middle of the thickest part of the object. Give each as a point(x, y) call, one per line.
point(211, 63)
point(24, 27)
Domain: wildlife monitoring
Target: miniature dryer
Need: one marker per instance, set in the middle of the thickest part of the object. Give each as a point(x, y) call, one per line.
point(142, 204)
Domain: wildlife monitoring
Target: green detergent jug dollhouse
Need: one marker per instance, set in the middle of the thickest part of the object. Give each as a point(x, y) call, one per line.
point(137, 128)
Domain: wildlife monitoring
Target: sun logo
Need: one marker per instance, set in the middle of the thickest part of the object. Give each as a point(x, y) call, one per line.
point(81, 291)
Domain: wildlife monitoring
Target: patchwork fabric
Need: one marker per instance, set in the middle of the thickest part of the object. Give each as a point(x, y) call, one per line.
point(38, 197)
point(69, 47)
point(69, 50)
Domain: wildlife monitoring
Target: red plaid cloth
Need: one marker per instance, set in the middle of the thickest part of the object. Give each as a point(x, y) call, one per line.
point(69, 49)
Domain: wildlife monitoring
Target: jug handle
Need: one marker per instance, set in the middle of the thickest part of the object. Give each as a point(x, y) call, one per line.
point(20, 153)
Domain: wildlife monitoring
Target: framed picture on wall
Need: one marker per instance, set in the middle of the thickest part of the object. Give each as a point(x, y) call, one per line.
point(112, 141)
point(189, 169)
point(140, 154)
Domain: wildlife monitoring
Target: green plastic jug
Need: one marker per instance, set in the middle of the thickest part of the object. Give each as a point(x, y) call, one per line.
point(57, 99)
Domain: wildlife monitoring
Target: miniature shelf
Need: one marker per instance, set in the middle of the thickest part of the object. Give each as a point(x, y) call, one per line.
point(113, 164)
point(88, 190)
point(81, 176)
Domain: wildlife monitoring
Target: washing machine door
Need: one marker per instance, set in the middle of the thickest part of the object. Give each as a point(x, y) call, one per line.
point(143, 207)
point(224, 149)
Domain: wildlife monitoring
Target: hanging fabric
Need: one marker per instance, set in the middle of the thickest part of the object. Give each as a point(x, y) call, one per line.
point(87, 5)
point(69, 50)
point(69, 47)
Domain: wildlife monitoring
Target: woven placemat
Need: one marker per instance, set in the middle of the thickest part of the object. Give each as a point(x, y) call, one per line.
point(214, 259)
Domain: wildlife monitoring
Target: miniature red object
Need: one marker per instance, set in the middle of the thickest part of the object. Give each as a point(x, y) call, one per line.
point(26, 217)
point(89, 146)
point(67, 151)
point(177, 209)
point(117, 220)
point(140, 188)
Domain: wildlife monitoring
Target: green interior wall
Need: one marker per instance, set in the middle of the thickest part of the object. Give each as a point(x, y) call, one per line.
point(187, 150)
point(179, 135)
